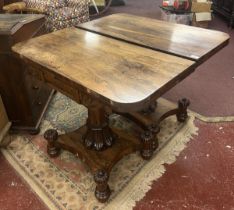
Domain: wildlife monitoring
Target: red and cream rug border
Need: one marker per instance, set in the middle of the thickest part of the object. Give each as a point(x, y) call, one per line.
point(141, 183)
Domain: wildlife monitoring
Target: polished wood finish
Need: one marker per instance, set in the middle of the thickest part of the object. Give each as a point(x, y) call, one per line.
point(98, 136)
point(176, 39)
point(100, 163)
point(102, 88)
point(126, 84)
point(108, 76)
point(25, 98)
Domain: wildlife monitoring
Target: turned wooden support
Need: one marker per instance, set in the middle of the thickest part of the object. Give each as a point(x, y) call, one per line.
point(98, 136)
point(151, 108)
point(102, 191)
point(51, 136)
point(154, 129)
point(182, 109)
point(147, 138)
point(149, 141)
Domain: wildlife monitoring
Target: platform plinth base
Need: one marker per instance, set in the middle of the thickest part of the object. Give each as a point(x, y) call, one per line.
point(101, 146)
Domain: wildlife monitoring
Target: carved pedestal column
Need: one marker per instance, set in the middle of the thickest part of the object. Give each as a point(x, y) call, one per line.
point(98, 136)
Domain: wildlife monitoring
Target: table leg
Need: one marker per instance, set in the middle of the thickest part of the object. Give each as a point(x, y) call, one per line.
point(99, 136)
point(154, 129)
point(101, 146)
point(182, 109)
point(151, 108)
point(149, 120)
point(147, 145)
point(102, 191)
point(149, 141)
point(51, 136)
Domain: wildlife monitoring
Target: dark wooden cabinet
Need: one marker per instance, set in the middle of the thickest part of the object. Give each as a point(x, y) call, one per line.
point(24, 97)
point(226, 9)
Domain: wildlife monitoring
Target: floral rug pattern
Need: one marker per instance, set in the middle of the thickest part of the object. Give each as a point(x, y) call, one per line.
point(65, 182)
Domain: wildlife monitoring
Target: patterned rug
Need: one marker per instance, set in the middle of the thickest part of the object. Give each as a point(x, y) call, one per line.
point(66, 183)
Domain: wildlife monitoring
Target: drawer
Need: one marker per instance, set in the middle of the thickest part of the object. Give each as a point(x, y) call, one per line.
point(62, 84)
point(35, 72)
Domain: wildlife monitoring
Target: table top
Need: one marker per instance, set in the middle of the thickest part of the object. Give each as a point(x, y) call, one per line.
point(10, 23)
point(114, 71)
point(193, 43)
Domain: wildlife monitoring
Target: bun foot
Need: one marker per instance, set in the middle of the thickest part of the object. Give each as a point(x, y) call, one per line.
point(102, 191)
point(147, 145)
point(155, 129)
point(51, 136)
point(182, 114)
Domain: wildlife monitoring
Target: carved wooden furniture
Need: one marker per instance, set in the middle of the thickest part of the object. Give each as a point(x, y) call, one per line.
point(224, 8)
point(108, 74)
point(24, 97)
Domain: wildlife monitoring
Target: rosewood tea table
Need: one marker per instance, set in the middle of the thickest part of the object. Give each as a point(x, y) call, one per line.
point(110, 75)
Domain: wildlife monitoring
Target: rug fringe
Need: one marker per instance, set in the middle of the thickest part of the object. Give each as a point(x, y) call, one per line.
point(154, 169)
point(209, 119)
point(212, 119)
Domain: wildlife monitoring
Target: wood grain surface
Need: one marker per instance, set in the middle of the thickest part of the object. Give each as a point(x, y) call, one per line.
point(194, 43)
point(115, 71)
